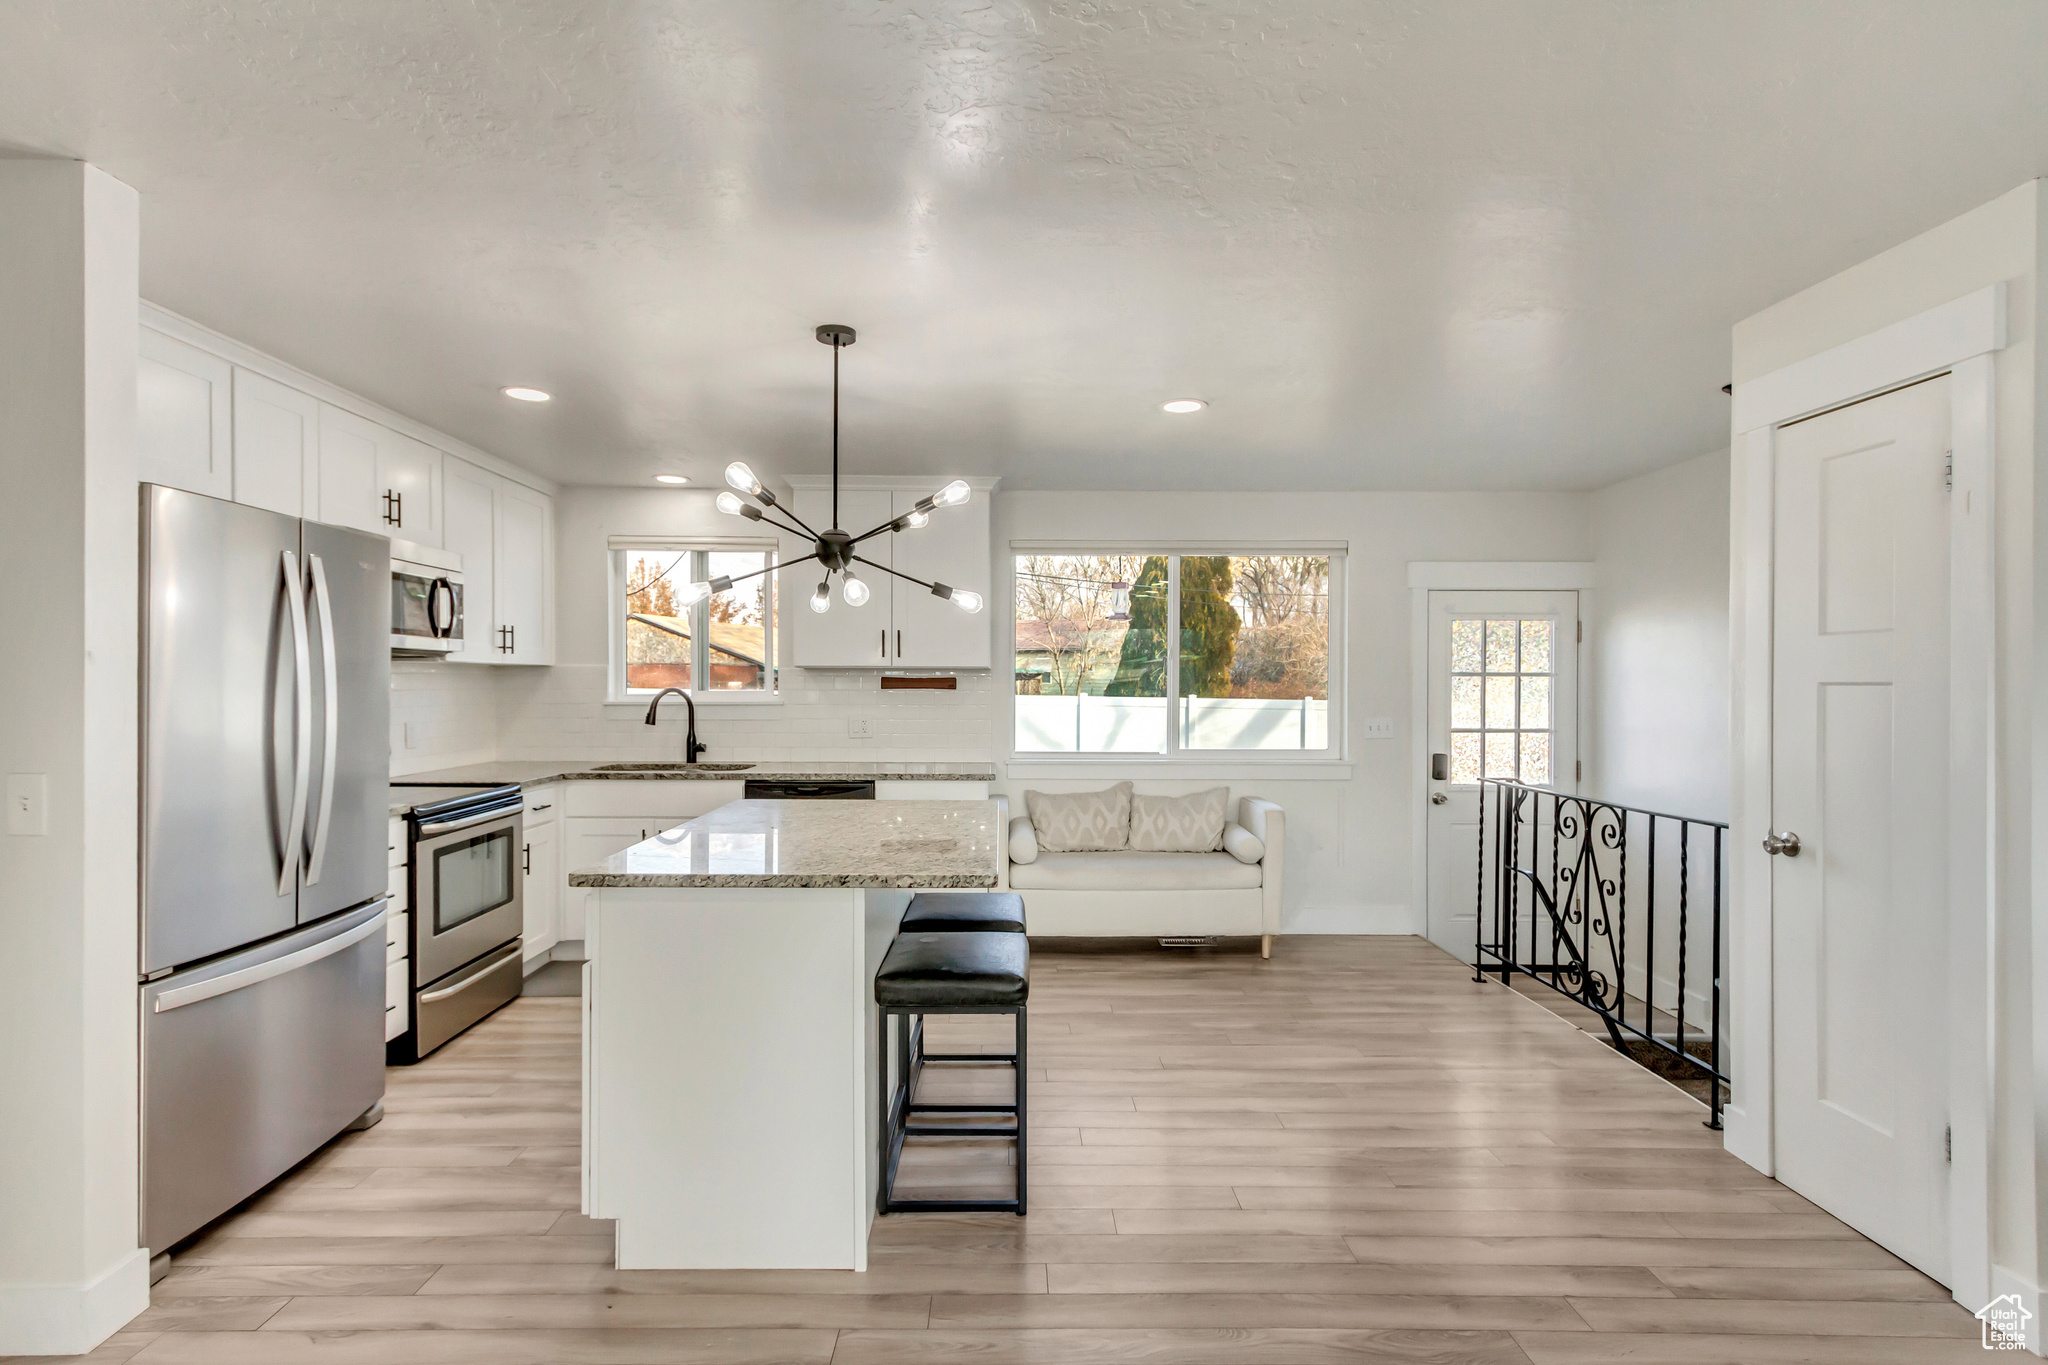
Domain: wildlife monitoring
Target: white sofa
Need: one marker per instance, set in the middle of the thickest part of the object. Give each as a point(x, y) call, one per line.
point(1153, 895)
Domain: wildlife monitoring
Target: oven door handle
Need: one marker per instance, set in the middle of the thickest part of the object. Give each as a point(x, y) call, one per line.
point(450, 826)
point(497, 960)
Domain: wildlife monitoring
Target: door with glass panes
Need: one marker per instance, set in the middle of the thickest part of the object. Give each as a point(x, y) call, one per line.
point(1503, 703)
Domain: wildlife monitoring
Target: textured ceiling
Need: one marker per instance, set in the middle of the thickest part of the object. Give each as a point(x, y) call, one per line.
point(1419, 245)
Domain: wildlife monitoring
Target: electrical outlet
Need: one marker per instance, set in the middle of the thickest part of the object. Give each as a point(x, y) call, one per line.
point(28, 804)
point(1377, 727)
point(859, 727)
point(411, 740)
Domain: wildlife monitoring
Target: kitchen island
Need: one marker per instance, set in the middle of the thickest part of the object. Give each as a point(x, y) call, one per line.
point(730, 1108)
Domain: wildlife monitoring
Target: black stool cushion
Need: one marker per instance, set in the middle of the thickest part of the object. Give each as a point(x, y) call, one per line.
point(979, 969)
point(960, 912)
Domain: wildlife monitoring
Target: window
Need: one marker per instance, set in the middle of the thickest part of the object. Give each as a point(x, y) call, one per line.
point(1500, 700)
point(724, 646)
point(1170, 653)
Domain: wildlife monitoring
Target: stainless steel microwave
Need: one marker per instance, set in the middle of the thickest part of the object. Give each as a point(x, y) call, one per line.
point(426, 601)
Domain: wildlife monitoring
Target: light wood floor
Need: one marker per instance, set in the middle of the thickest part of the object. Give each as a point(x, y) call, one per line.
point(1350, 1153)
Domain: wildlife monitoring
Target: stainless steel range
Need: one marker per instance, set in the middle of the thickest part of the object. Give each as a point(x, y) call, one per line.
point(467, 911)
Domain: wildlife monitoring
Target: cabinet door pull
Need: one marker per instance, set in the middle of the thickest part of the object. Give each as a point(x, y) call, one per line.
point(398, 509)
point(885, 642)
point(527, 853)
point(899, 644)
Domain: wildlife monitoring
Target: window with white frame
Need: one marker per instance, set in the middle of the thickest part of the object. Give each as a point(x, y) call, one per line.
point(721, 647)
point(1173, 654)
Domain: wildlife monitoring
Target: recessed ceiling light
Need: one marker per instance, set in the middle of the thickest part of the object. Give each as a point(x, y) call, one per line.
point(671, 478)
point(1184, 405)
point(527, 395)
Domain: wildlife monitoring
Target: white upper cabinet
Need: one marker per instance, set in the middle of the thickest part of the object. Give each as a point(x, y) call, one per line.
point(184, 437)
point(505, 533)
point(376, 480)
point(902, 625)
point(844, 637)
point(409, 485)
point(929, 631)
point(525, 575)
point(470, 529)
point(348, 471)
point(277, 446)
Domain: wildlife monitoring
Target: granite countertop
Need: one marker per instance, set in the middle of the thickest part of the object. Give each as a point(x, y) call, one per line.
point(924, 844)
point(535, 774)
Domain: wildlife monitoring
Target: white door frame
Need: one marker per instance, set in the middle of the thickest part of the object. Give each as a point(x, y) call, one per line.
point(1958, 339)
point(1425, 576)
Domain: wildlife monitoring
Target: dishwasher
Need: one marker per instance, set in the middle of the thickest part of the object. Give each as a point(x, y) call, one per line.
point(810, 791)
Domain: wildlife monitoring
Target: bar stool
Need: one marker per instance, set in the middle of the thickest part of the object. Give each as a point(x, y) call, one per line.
point(957, 912)
point(961, 912)
point(972, 972)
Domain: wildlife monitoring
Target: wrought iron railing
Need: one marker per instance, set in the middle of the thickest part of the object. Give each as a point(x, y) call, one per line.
point(1613, 907)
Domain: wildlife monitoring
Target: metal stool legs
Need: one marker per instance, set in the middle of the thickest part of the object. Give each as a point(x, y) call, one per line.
point(900, 1105)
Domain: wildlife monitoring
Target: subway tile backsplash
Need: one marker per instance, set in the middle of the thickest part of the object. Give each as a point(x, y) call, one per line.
point(463, 713)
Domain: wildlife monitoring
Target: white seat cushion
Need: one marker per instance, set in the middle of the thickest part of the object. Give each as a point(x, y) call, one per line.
point(1130, 871)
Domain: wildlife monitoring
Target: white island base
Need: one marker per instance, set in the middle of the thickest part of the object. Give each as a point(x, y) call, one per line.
point(730, 1105)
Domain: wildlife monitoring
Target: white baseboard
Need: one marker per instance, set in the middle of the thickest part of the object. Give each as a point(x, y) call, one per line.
point(69, 1320)
point(2005, 1281)
point(1392, 918)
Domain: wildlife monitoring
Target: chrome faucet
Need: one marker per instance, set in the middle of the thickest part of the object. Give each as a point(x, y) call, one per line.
point(691, 748)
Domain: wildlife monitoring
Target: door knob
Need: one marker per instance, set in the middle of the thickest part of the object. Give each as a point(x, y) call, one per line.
point(1786, 844)
point(1438, 799)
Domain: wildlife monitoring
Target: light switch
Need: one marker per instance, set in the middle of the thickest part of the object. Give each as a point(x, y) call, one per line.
point(1377, 727)
point(28, 803)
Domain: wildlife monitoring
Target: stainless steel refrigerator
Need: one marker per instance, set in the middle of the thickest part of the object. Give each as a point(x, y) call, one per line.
point(265, 764)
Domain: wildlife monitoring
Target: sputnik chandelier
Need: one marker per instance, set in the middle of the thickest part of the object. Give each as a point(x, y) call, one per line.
point(834, 548)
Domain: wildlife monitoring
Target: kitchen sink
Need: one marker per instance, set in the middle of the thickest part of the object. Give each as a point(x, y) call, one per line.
point(672, 767)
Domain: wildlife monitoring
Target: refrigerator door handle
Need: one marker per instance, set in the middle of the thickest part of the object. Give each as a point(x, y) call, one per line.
point(330, 705)
point(302, 700)
point(264, 971)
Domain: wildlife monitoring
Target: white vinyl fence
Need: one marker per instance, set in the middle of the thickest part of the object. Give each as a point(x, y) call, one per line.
point(1137, 725)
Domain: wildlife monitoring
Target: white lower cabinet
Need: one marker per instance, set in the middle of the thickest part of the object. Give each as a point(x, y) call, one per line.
point(603, 818)
point(542, 865)
point(397, 928)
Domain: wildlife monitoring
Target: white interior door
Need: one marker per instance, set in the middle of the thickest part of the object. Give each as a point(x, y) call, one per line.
point(1503, 702)
point(1859, 774)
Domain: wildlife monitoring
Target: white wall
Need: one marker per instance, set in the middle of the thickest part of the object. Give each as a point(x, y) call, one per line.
point(1656, 665)
point(1348, 833)
point(70, 1269)
point(2001, 241)
point(560, 712)
point(443, 715)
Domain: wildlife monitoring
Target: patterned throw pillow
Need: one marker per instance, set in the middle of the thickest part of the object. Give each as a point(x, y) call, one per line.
point(1081, 822)
point(1179, 824)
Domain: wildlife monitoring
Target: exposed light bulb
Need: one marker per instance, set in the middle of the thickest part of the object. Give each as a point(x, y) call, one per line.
point(917, 521)
point(739, 476)
point(821, 600)
point(730, 504)
point(853, 591)
point(969, 602)
point(690, 594)
point(953, 494)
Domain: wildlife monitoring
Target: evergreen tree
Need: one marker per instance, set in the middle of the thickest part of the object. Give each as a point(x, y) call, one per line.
point(1208, 630)
point(1141, 668)
point(1208, 626)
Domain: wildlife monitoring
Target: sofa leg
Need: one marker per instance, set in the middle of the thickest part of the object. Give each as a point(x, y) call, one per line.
point(1265, 945)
